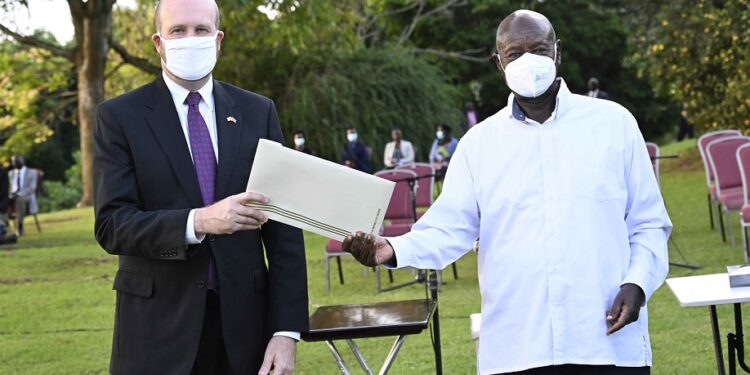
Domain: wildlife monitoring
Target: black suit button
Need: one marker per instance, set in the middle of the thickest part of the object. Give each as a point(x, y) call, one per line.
point(211, 237)
point(201, 284)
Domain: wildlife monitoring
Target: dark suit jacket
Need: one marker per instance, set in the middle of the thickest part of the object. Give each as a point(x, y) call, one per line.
point(356, 152)
point(145, 185)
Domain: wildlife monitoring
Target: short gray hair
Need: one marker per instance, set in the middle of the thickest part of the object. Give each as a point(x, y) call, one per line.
point(157, 20)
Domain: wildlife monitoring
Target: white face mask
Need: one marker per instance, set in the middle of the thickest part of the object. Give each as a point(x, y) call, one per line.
point(299, 142)
point(190, 58)
point(352, 137)
point(439, 134)
point(531, 75)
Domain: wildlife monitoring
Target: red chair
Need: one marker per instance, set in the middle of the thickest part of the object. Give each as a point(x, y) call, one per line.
point(400, 214)
point(399, 218)
point(425, 189)
point(722, 156)
point(743, 160)
point(653, 152)
point(703, 142)
point(425, 185)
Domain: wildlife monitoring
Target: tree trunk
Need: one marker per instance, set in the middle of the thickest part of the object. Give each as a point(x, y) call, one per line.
point(92, 33)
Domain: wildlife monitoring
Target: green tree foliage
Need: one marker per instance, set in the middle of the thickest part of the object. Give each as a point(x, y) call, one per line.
point(37, 103)
point(374, 90)
point(698, 53)
point(594, 44)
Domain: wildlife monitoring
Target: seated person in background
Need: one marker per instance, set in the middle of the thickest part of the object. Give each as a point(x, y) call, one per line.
point(398, 152)
point(4, 201)
point(354, 153)
point(299, 142)
point(22, 190)
point(444, 146)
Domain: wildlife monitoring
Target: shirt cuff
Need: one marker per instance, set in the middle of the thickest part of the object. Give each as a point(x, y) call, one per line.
point(292, 335)
point(192, 238)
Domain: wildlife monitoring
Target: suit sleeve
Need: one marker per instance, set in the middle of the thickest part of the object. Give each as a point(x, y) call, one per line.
point(120, 226)
point(285, 251)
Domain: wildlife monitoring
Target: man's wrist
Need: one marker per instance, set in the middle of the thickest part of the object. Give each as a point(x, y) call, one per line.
point(391, 262)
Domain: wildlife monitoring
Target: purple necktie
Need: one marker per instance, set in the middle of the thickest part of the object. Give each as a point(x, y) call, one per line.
point(204, 160)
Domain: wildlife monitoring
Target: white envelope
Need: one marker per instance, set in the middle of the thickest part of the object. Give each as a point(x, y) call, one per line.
point(315, 194)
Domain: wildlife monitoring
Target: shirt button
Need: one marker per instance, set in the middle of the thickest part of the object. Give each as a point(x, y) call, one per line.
point(201, 284)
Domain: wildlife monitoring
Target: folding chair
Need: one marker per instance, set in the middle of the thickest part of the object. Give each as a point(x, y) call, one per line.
point(653, 152)
point(703, 141)
point(722, 155)
point(401, 212)
point(399, 218)
point(425, 191)
point(743, 160)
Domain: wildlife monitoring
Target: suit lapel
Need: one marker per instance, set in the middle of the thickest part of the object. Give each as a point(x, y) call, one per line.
point(164, 122)
point(228, 128)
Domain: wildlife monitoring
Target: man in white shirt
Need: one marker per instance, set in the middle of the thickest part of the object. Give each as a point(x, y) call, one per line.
point(22, 191)
point(573, 230)
point(398, 152)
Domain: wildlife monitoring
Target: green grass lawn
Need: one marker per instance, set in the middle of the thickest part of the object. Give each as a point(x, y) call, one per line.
point(57, 307)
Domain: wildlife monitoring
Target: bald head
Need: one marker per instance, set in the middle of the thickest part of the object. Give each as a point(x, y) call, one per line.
point(206, 6)
point(525, 24)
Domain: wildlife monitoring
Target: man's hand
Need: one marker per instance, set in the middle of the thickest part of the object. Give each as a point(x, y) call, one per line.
point(279, 357)
point(370, 250)
point(625, 308)
point(230, 215)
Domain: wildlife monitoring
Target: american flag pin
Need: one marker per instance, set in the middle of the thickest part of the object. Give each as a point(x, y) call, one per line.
point(231, 119)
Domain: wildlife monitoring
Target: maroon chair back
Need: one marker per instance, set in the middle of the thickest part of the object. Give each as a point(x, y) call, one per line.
point(703, 142)
point(653, 153)
point(722, 155)
point(401, 206)
point(743, 161)
point(425, 182)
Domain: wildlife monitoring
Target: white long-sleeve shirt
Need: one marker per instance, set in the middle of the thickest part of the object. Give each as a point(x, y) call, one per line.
point(407, 154)
point(566, 212)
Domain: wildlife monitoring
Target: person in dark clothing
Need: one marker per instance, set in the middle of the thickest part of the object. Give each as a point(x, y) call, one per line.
point(594, 91)
point(4, 201)
point(686, 129)
point(354, 153)
point(299, 142)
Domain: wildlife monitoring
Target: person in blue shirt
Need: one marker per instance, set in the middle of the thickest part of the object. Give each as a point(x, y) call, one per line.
point(443, 146)
point(354, 153)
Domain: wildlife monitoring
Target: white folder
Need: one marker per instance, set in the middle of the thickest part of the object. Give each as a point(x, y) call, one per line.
point(315, 194)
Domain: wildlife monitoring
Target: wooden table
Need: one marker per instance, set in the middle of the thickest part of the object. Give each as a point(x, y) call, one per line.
point(712, 290)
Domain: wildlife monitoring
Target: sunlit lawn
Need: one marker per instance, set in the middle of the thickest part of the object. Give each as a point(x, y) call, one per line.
point(57, 307)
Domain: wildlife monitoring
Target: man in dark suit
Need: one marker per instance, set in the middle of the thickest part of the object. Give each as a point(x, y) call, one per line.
point(354, 153)
point(172, 159)
point(595, 91)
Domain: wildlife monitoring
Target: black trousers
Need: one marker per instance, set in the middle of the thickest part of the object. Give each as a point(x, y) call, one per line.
point(212, 355)
point(584, 370)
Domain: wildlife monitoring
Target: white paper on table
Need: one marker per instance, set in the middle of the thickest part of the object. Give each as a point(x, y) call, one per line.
point(317, 195)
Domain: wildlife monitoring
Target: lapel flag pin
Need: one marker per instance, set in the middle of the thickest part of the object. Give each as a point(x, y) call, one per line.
point(231, 119)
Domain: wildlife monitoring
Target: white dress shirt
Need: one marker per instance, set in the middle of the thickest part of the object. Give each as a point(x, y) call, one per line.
point(566, 212)
point(208, 112)
point(407, 154)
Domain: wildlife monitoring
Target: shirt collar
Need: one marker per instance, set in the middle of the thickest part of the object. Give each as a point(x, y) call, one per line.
point(561, 103)
point(179, 93)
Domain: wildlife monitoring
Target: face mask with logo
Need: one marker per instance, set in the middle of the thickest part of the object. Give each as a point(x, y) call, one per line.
point(531, 75)
point(440, 135)
point(190, 58)
point(299, 142)
point(352, 137)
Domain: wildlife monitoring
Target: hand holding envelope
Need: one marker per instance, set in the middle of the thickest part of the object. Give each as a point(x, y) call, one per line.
point(315, 194)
